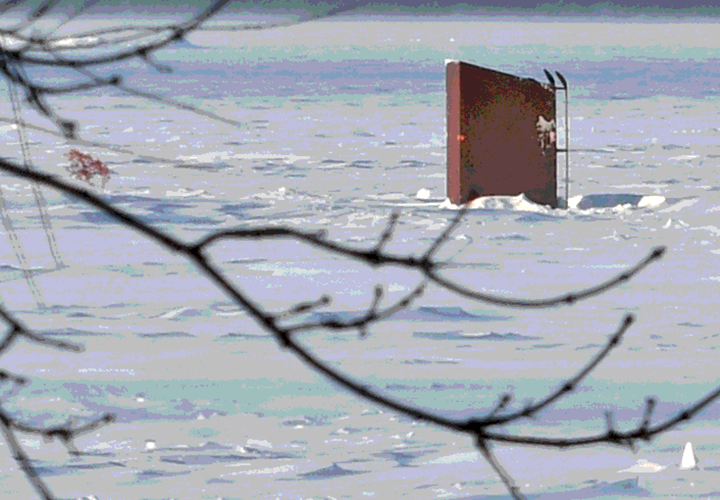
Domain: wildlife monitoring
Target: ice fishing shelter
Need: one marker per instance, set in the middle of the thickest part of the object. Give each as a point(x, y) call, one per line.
point(501, 135)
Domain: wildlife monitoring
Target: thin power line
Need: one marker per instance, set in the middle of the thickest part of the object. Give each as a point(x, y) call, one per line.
point(40, 201)
point(27, 159)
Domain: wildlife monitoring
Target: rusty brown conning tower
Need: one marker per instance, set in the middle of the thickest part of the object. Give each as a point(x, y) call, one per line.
point(501, 135)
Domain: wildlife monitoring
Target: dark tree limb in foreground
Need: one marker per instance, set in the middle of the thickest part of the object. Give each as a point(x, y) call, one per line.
point(481, 429)
point(285, 326)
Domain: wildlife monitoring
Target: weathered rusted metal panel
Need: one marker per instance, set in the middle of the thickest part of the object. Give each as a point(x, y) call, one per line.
point(501, 137)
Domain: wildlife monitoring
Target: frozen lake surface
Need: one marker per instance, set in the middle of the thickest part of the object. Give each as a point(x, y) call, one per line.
point(343, 123)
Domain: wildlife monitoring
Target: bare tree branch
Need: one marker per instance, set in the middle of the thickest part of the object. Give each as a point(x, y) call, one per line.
point(65, 433)
point(21, 457)
point(378, 257)
point(10, 4)
point(95, 144)
point(567, 299)
point(91, 39)
point(532, 409)
point(508, 481)
point(372, 257)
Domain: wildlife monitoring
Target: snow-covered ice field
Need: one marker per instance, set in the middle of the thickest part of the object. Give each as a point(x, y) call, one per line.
point(344, 122)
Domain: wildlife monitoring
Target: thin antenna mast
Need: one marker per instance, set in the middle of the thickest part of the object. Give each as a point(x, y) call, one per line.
point(27, 161)
point(566, 149)
point(39, 198)
point(567, 138)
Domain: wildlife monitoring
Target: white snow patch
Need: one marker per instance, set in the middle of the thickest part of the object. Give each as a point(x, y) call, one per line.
point(651, 201)
point(520, 203)
point(456, 458)
point(186, 193)
point(685, 157)
point(680, 205)
point(643, 466)
point(259, 443)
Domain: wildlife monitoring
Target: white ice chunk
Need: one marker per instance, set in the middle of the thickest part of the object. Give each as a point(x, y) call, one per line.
point(688, 461)
point(643, 466)
point(423, 194)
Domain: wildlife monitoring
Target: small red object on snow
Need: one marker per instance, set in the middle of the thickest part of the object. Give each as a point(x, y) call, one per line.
point(84, 167)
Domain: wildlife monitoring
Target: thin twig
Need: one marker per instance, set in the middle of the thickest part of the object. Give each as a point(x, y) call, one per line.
point(507, 480)
point(566, 387)
point(567, 299)
point(21, 458)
